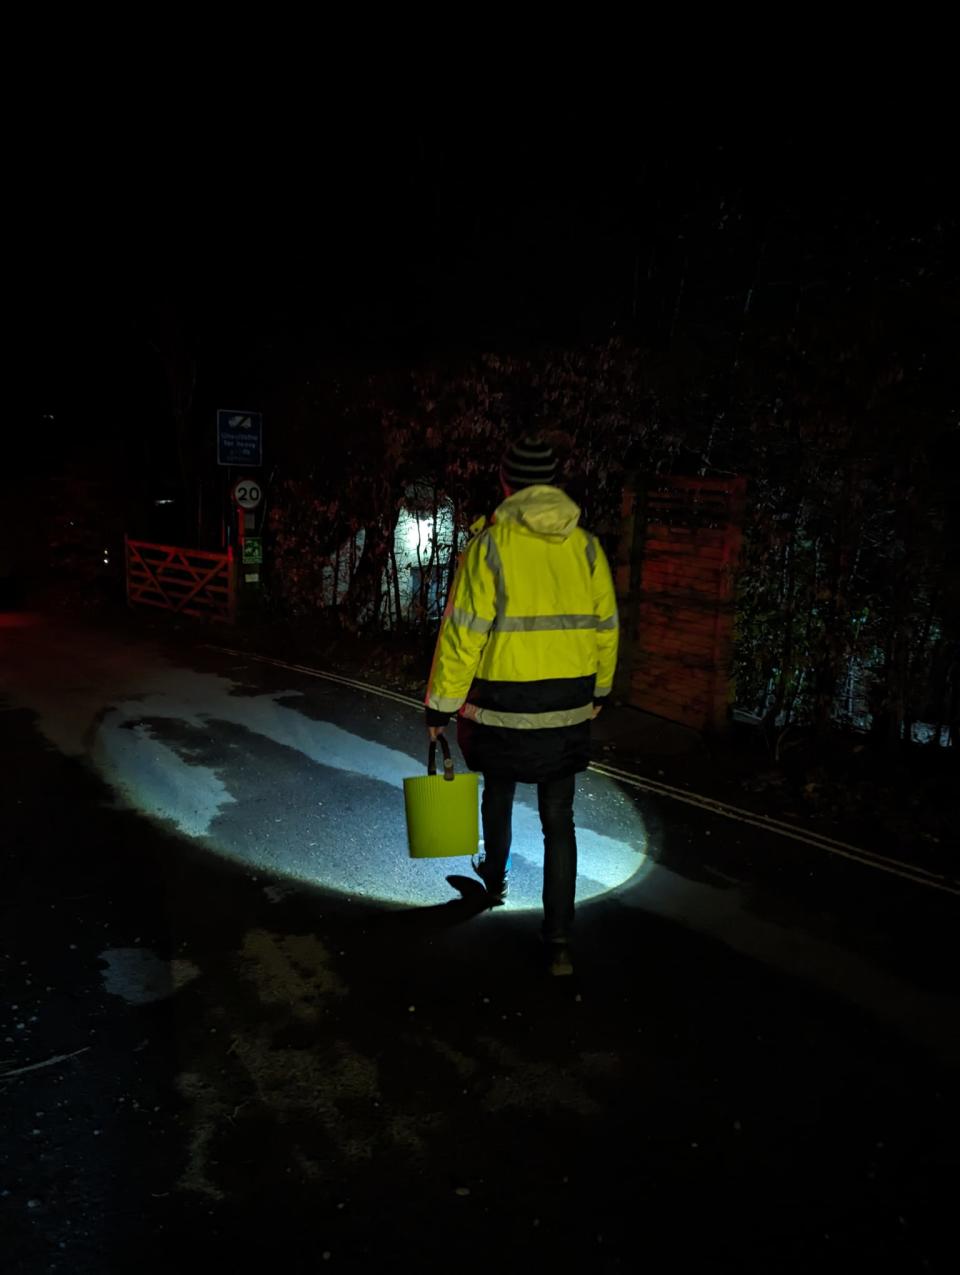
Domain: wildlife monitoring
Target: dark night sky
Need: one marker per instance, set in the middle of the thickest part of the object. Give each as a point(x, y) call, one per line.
point(388, 238)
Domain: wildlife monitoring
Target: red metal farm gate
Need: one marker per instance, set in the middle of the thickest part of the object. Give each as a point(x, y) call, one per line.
point(190, 581)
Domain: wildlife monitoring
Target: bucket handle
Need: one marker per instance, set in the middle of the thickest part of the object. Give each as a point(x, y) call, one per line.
point(432, 757)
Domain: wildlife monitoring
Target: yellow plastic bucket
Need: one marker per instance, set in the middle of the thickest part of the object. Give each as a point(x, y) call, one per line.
point(442, 810)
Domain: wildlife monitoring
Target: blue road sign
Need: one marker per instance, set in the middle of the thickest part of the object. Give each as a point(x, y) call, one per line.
point(239, 438)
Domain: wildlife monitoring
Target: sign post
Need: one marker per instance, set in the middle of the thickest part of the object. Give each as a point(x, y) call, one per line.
point(247, 495)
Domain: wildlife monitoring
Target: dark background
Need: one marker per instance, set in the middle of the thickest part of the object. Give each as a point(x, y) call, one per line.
point(401, 235)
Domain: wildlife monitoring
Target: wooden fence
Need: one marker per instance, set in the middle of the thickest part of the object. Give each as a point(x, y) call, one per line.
point(675, 580)
point(189, 581)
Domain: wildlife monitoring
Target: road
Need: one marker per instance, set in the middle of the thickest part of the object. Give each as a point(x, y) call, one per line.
point(276, 1037)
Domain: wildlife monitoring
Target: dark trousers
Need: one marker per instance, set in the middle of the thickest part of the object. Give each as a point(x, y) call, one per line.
point(555, 801)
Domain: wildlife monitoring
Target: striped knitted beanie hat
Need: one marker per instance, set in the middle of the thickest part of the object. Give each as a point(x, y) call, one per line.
point(528, 462)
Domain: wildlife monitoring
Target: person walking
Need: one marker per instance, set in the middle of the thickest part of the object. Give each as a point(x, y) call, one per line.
point(525, 658)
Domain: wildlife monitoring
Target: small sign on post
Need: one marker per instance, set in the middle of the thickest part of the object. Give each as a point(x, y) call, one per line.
point(247, 493)
point(239, 438)
point(252, 551)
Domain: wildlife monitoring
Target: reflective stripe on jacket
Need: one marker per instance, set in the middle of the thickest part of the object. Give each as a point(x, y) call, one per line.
point(529, 635)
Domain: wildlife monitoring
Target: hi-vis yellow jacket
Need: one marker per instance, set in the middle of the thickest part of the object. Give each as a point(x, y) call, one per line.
point(529, 636)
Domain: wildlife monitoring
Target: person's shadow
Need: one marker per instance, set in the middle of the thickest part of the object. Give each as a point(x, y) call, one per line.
point(473, 899)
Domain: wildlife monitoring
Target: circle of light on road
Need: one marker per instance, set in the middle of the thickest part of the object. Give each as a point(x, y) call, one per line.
point(261, 783)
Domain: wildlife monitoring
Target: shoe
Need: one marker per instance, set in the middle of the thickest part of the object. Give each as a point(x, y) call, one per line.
point(561, 960)
point(498, 889)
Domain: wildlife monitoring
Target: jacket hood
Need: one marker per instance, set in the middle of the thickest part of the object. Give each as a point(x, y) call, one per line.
point(546, 511)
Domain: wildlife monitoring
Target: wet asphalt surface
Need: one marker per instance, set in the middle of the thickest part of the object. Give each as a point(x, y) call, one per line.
point(288, 1043)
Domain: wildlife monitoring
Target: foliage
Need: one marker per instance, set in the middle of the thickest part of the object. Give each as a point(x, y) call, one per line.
point(846, 603)
point(832, 395)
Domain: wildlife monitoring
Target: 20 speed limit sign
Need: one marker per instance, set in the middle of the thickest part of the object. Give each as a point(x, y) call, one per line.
point(247, 493)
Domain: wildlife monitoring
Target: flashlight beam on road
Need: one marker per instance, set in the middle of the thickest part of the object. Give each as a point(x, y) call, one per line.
point(767, 823)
